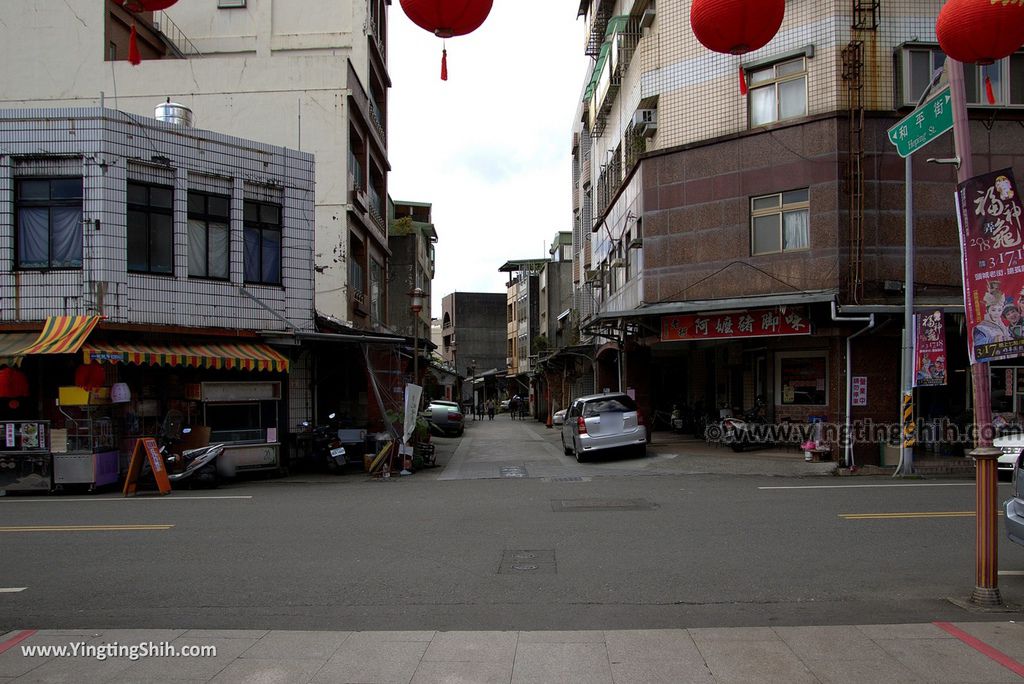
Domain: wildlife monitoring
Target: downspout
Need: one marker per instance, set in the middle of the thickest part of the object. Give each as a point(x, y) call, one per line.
point(849, 370)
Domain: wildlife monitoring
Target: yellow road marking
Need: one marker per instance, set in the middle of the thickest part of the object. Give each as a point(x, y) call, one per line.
point(83, 528)
point(922, 514)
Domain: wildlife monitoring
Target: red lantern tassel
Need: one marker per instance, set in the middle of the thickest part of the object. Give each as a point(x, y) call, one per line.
point(989, 92)
point(743, 81)
point(444, 64)
point(133, 49)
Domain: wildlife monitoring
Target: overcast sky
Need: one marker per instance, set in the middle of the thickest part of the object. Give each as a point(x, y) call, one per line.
point(490, 147)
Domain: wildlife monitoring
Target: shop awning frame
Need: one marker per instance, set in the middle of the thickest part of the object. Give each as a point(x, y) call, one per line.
point(229, 356)
point(62, 335)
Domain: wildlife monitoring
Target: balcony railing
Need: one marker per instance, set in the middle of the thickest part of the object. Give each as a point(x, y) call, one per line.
point(376, 207)
point(378, 119)
point(177, 38)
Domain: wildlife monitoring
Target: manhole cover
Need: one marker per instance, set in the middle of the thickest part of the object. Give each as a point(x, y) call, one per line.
point(532, 561)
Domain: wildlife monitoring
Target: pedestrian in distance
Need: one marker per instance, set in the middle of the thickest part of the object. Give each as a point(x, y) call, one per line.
point(490, 409)
point(513, 407)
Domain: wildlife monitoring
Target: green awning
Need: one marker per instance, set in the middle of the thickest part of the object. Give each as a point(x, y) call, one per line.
point(615, 25)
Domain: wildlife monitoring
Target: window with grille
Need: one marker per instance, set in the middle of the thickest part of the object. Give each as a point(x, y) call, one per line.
point(777, 91)
point(262, 243)
point(209, 235)
point(780, 222)
point(49, 223)
point(150, 224)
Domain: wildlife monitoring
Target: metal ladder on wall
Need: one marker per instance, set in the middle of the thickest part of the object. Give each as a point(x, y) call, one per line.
point(865, 18)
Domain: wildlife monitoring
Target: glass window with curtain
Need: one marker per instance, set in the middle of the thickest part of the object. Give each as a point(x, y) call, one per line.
point(778, 92)
point(209, 235)
point(262, 243)
point(376, 280)
point(780, 222)
point(48, 213)
point(1006, 77)
point(150, 227)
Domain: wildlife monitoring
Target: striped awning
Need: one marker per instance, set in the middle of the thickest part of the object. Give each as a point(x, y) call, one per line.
point(62, 335)
point(11, 345)
point(248, 357)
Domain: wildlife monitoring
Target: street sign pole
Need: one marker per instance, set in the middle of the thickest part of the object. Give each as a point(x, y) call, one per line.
point(930, 119)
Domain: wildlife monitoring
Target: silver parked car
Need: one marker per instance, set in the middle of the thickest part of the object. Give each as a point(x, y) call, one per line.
point(603, 421)
point(1014, 506)
point(445, 416)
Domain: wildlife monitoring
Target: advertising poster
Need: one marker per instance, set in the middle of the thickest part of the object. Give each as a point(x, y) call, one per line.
point(989, 213)
point(929, 349)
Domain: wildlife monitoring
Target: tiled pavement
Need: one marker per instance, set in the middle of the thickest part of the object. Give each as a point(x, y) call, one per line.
point(939, 652)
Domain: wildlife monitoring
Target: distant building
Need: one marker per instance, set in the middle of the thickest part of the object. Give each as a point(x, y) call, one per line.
point(473, 337)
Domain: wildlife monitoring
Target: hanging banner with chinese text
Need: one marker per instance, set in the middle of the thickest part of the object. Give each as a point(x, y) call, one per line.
point(751, 323)
point(989, 213)
point(929, 349)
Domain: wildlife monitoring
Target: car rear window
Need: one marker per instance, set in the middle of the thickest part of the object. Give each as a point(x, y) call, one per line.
point(619, 404)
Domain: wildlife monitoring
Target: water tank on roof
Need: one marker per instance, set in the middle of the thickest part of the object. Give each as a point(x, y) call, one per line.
point(174, 113)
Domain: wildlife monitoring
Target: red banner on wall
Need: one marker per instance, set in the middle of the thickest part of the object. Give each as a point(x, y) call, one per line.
point(751, 323)
point(929, 349)
point(989, 212)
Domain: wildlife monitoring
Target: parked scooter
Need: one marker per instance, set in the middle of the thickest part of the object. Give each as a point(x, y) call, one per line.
point(328, 451)
point(749, 431)
point(200, 467)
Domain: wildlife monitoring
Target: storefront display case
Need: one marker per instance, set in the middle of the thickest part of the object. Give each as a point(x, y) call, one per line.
point(244, 417)
point(25, 460)
point(85, 447)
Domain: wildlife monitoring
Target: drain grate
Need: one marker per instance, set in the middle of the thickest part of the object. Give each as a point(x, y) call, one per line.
point(527, 562)
point(513, 471)
point(569, 478)
point(587, 505)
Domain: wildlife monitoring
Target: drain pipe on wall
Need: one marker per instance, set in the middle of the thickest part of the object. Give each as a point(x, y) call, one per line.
point(849, 370)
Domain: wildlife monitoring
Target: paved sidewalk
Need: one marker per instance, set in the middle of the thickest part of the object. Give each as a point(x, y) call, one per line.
point(938, 652)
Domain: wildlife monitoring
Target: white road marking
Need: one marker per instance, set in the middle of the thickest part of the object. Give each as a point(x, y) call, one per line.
point(1012, 573)
point(875, 486)
point(40, 499)
point(11, 590)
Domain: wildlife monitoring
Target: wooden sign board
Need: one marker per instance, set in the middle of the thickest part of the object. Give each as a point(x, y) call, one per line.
point(146, 448)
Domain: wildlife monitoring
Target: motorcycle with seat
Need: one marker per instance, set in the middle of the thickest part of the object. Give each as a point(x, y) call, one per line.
point(201, 467)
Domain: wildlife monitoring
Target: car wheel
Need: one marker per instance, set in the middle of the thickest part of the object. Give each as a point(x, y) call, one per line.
point(580, 458)
point(565, 450)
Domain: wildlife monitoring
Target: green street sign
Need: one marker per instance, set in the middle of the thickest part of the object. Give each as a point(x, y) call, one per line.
point(924, 124)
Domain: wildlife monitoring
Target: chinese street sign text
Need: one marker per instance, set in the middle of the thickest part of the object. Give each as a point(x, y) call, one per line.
point(924, 124)
point(750, 323)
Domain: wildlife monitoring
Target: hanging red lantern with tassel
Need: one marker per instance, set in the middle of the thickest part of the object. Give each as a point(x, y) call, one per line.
point(447, 19)
point(13, 383)
point(136, 6)
point(736, 27)
point(90, 376)
point(980, 31)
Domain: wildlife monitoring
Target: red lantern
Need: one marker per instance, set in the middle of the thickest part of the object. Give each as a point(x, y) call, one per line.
point(13, 383)
point(447, 18)
point(980, 31)
point(146, 5)
point(735, 27)
point(134, 56)
point(90, 376)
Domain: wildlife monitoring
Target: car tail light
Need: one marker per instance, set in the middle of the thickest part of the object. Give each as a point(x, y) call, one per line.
point(581, 426)
point(455, 416)
point(640, 418)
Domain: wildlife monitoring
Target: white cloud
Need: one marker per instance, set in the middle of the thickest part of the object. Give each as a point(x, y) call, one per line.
point(489, 147)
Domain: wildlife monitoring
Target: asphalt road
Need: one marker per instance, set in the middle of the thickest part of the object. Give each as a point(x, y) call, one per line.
point(593, 546)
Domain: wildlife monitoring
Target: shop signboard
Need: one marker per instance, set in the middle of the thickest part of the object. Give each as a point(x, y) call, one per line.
point(989, 213)
point(860, 390)
point(766, 322)
point(929, 349)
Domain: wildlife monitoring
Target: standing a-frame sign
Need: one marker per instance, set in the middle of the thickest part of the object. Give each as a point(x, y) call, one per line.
point(146, 447)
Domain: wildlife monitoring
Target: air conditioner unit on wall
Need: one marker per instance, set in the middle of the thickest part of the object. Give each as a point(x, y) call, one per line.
point(645, 122)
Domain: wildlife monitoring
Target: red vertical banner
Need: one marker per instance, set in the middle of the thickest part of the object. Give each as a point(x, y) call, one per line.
point(989, 213)
point(929, 349)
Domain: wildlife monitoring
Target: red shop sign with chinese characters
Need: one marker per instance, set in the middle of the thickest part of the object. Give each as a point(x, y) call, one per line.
point(751, 323)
